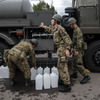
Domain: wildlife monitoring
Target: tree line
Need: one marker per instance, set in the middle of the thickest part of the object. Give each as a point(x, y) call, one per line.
point(43, 6)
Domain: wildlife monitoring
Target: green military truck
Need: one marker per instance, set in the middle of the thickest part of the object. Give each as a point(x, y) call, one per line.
point(87, 13)
point(18, 21)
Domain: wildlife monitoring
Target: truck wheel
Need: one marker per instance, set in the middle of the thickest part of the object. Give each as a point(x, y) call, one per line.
point(92, 57)
point(2, 47)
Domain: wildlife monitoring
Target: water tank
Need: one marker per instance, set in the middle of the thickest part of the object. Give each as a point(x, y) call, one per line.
point(14, 9)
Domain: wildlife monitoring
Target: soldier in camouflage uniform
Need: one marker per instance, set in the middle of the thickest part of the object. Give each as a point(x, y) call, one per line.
point(63, 42)
point(17, 58)
point(78, 52)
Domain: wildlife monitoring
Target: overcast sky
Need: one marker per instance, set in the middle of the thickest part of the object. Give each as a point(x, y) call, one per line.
point(59, 5)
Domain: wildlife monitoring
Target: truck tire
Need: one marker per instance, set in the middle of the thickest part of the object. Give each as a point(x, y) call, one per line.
point(92, 57)
point(2, 47)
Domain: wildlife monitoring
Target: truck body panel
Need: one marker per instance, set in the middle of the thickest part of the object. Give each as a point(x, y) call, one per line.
point(19, 22)
point(14, 22)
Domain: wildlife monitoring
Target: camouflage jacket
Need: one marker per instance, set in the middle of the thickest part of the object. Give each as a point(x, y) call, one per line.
point(77, 39)
point(60, 36)
point(26, 50)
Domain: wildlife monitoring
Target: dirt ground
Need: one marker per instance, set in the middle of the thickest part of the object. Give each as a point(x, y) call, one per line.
point(89, 91)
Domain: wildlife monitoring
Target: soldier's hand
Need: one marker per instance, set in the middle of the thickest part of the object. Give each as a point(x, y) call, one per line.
point(67, 53)
point(42, 24)
point(35, 68)
point(76, 53)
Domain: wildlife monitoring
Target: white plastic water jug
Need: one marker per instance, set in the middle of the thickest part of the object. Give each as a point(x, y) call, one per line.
point(47, 70)
point(40, 70)
point(39, 82)
point(46, 81)
point(55, 70)
point(1, 72)
point(33, 74)
point(5, 72)
point(54, 80)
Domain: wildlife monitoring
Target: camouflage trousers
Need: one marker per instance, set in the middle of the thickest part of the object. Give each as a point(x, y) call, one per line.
point(77, 64)
point(14, 62)
point(62, 65)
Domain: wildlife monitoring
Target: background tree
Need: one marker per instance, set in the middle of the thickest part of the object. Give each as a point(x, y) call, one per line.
point(43, 6)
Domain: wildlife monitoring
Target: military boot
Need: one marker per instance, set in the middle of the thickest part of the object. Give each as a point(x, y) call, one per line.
point(85, 79)
point(12, 83)
point(74, 75)
point(65, 88)
point(28, 82)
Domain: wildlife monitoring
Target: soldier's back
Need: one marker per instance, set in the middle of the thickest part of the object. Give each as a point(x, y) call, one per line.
point(23, 46)
point(20, 48)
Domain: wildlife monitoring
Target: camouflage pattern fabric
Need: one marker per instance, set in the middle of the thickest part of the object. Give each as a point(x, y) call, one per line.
point(60, 36)
point(77, 63)
point(14, 62)
point(63, 41)
point(62, 65)
point(17, 58)
point(5, 55)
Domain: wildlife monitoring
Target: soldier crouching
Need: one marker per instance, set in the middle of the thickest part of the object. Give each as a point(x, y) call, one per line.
point(17, 58)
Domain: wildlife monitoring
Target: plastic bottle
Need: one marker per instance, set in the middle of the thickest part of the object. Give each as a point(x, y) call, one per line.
point(39, 82)
point(47, 70)
point(54, 80)
point(46, 81)
point(5, 72)
point(55, 70)
point(1, 72)
point(40, 70)
point(33, 74)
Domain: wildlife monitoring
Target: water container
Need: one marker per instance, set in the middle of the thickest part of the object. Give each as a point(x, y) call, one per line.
point(55, 70)
point(39, 82)
point(40, 71)
point(14, 9)
point(54, 80)
point(5, 72)
point(46, 81)
point(33, 74)
point(47, 70)
point(1, 72)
